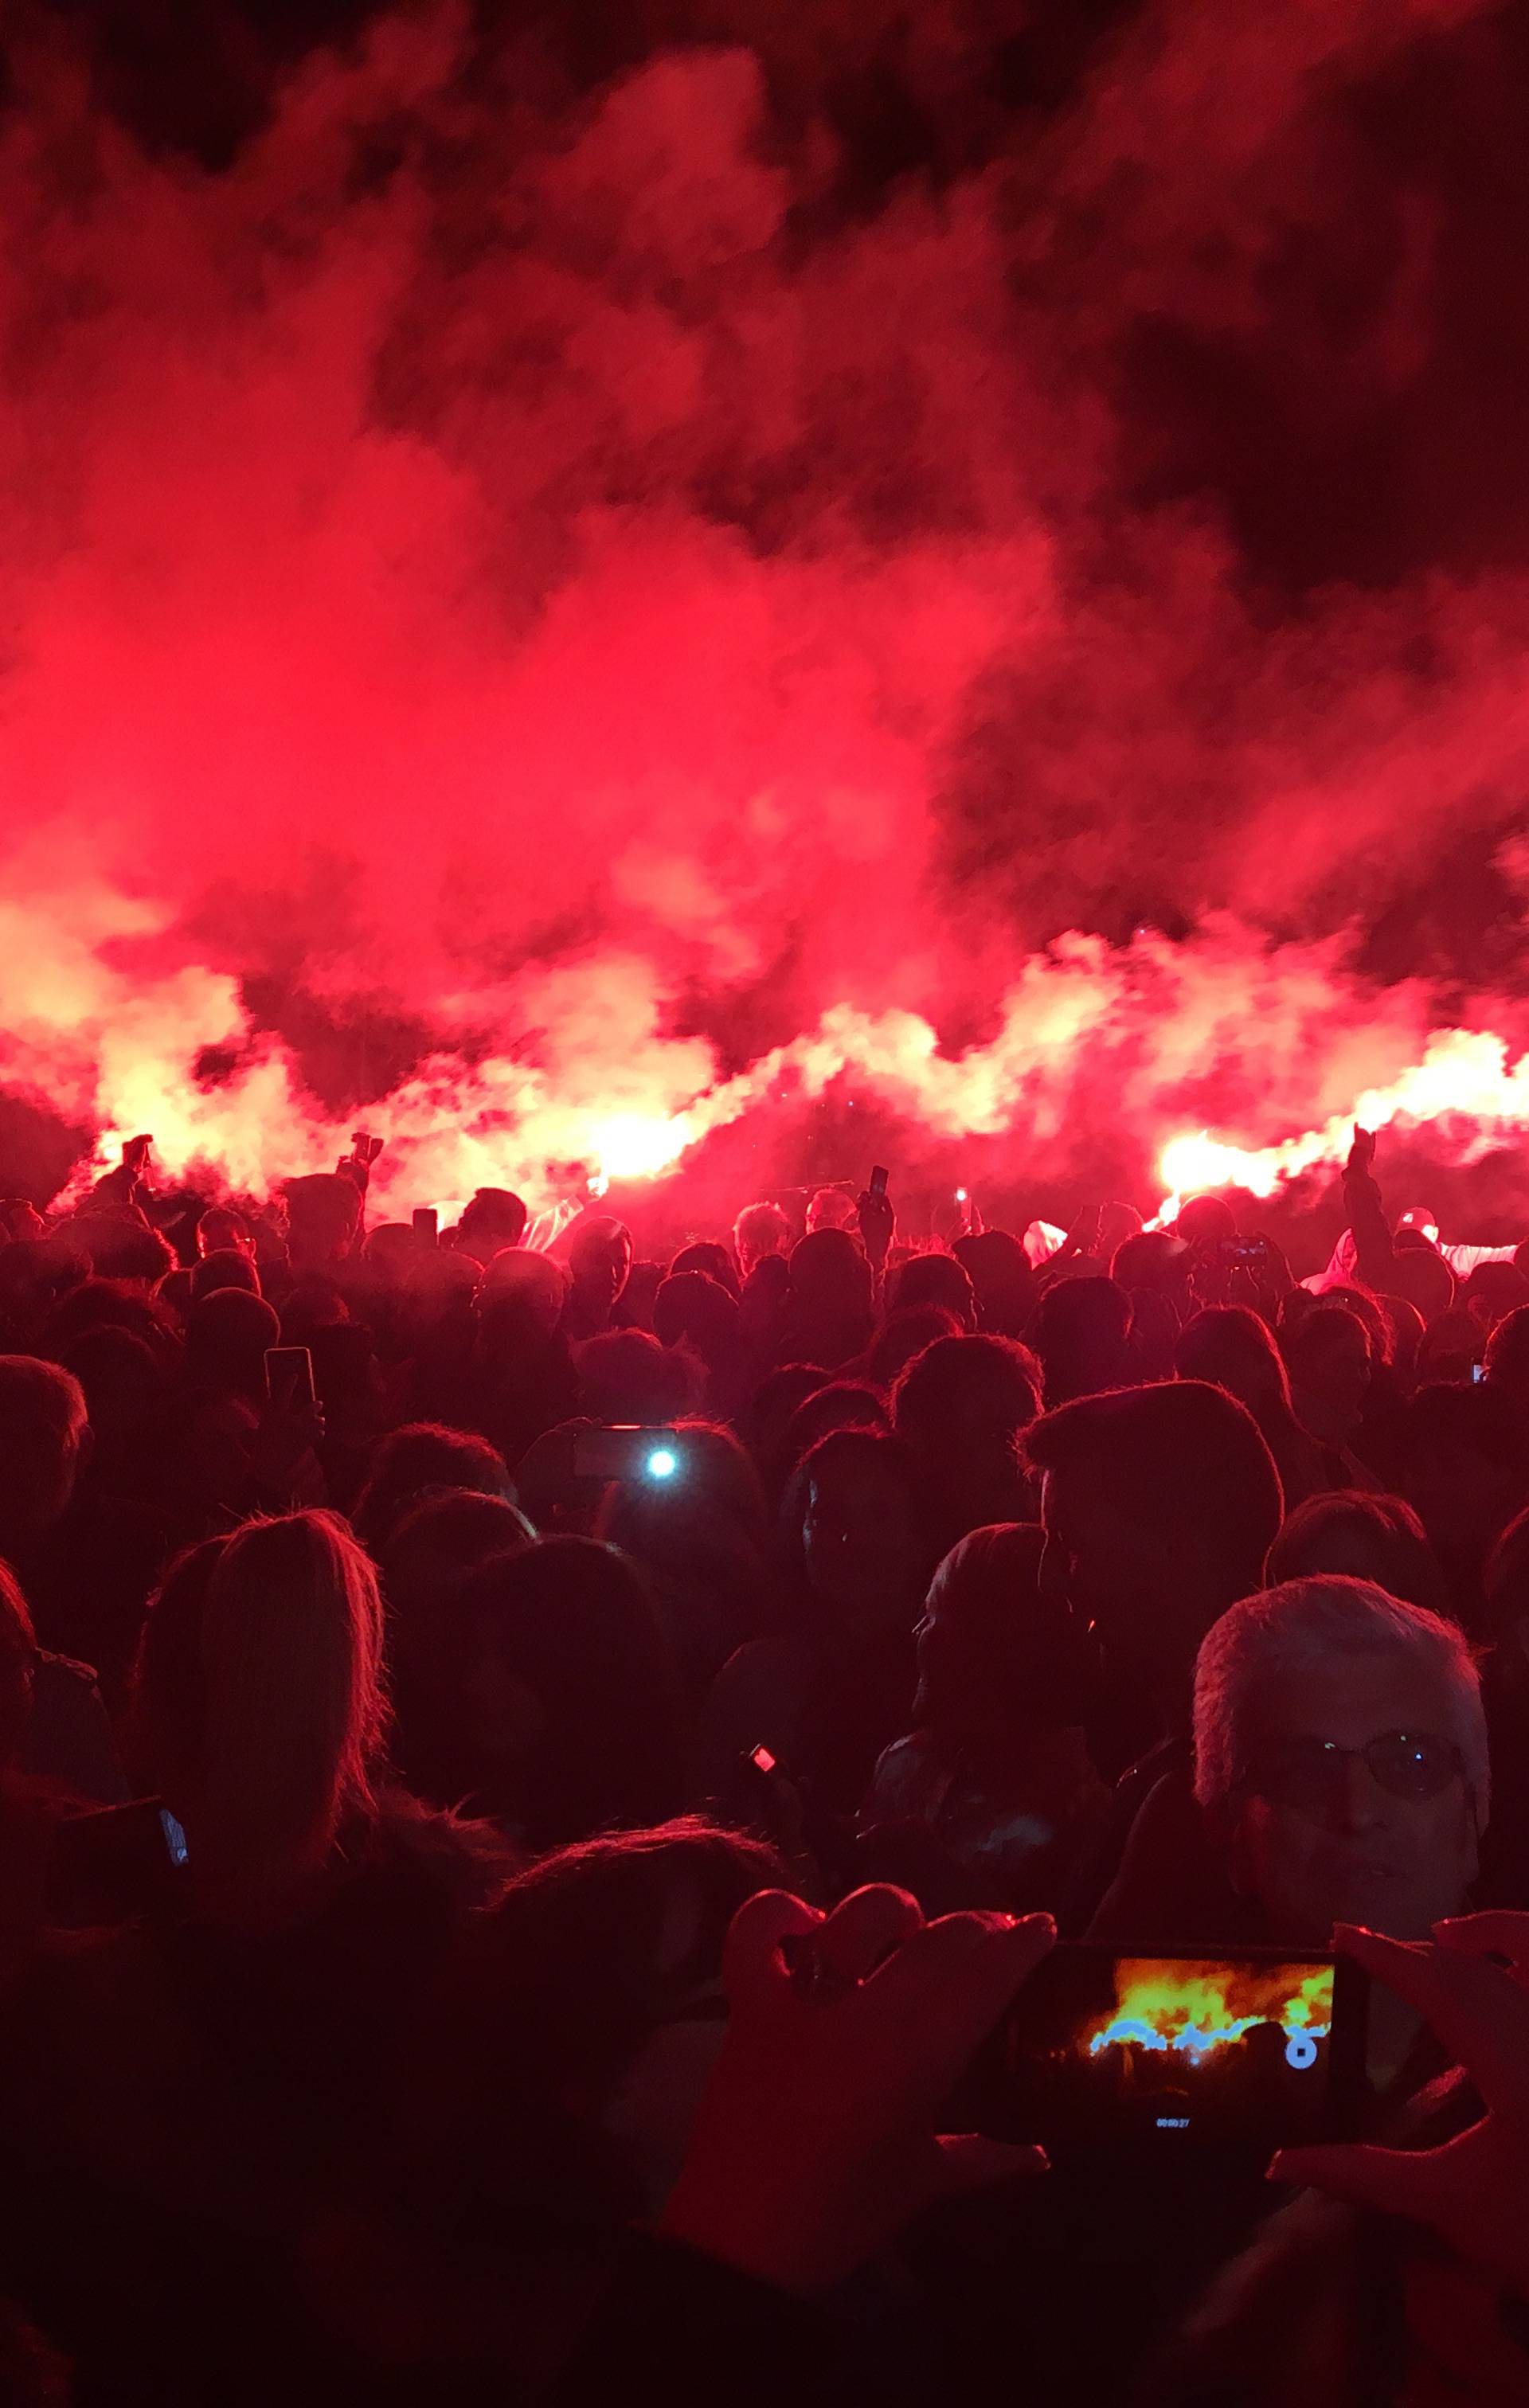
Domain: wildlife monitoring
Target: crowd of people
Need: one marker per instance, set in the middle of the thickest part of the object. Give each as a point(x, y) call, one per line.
point(527, 1776)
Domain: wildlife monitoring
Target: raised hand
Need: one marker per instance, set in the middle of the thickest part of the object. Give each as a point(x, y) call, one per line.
point(1362, 1151)
point(816, 2138)
point(1474, 2189)
point(877, 1223)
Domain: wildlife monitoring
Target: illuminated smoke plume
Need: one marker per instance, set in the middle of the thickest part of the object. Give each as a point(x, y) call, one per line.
point(547, 603)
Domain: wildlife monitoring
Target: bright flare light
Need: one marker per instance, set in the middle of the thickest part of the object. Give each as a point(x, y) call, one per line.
point(662, 1464)
point(636, 1145)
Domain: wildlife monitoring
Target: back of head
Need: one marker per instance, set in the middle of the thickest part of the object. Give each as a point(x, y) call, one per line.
point(963, 1393)
point(1362, 1537)
point(1233, 1349)
point(1181, 1455)
point(1492, 1292)
point(323, 1215)
point(1506, 1361)
point(259, 1707)
point(705, 1255)
point(228, 1335)
point(493, 1222)
point(628, 1376)
point(227, 1269)
point(693, 1308)
point(760, 1230)
point(1153, 1259)
point(904, 1336)
point(832, 1208)
point(998, 1657)
point(416, 1461)
point(1205, 1221)
point(42, 1432)
point(1306, 1625)
point(521, 1296)
point(842, 1404)
point(434, 1541)
point(1424, 1278)
point(549, 2000)
point(933, 1279)
point(829, 1271)
point(1002, 1279)
point(1081, 1333)
point(567, 1623)
point(122, 1246)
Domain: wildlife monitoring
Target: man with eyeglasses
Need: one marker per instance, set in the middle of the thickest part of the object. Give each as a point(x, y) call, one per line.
point(1341, 1760)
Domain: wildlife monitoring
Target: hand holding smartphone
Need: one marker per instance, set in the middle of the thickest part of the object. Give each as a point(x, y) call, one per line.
point(289, 1376)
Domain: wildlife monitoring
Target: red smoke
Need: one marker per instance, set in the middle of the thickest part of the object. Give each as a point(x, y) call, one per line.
point(530, 607)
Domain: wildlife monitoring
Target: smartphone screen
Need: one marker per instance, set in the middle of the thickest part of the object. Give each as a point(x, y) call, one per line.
point(626, 1451)
point(289, 1375)
point(174, 1837)
point(1261, 2048)
point(879, 1180)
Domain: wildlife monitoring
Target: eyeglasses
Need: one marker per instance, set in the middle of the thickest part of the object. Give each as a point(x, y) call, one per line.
point(1308, 1773)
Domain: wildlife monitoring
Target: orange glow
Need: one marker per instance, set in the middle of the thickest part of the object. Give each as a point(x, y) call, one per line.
point(1197, 2008)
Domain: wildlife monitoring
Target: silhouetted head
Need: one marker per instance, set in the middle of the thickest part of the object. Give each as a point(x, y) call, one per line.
point(416, 1461)
point(997, 1657)
point(323, 1218)
point(693, 1309)
point(521, 1299)
point(829, 1273)
point(1235, 1349)
point(832, 1208)
point(1082, 1336)
point(1204, 1221)
point(600, 1263)
point(43, 1436)
point(227, 1336)
point(933, 1279)
point(841, 1404)
point(228, 1267)
point(259, 1711)
point(222, 1231)
point(1002, 1281)
point(567, 1695)
point(1506, 1361)
point(1362, 1537)
point(850, 1525)
point(1159, 1506)
point(964, 1400)
point(493, 1222)
point(1156, 1260)
point(705, 1255)
point(760, 1229)
point(626, 1375)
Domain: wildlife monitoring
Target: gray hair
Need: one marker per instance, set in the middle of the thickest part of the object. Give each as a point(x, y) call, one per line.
point(1302, 1625)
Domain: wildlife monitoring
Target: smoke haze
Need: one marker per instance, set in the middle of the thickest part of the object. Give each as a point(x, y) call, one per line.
point(558, 585)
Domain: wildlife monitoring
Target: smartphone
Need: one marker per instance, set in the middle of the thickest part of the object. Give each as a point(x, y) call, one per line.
point(1479, 1372)
point(1244, 1250)
point(426, 1225)
point(626, 1451)
point(289, 1375)
point(174, 1837)
point(879, 1180)
point(365, 1147)
point(1262, 2046)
